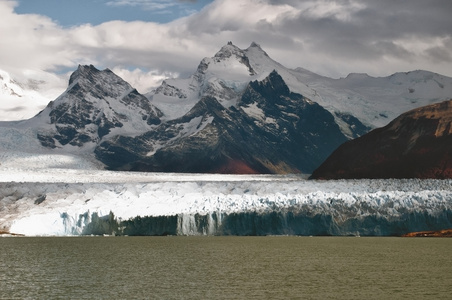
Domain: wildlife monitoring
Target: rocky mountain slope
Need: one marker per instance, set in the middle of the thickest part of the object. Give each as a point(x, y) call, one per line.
point(95, 104)
point(270, 130)
point(376, 101)
point(418, 144)
point(240, 112)
point(373, 101)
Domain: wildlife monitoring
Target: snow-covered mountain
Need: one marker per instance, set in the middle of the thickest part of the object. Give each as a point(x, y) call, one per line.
point(20, 100)
point(243, 112)
point(96, 104)
point(239, 112)
point(236, 113)
point(417, 144)
point(225, 77)
point(374, 101)
point(268, 130)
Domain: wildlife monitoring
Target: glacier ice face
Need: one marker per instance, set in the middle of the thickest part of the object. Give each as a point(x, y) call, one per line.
point(87, 202)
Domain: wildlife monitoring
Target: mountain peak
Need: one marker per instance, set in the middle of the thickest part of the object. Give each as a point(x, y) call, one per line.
point(271, 84)
point(224, 60)
point(82, 71)
point(228, 50)
point(255, 45)
point(95, 103)
point(89, 72)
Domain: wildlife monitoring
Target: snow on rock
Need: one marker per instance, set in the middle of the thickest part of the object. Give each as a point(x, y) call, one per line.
point(376, 101)
point(373, 101)
point(69, 202)
point(20, 149)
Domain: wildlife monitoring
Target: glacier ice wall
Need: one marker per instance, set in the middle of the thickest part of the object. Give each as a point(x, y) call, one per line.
point(269, 223)
point(209, 206)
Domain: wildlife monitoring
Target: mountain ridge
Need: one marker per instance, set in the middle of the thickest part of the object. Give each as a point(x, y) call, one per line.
point(417, 144)
point(102, 117)
point(255, 136)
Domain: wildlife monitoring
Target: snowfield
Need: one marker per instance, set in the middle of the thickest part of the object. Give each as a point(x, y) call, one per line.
point(37, 202)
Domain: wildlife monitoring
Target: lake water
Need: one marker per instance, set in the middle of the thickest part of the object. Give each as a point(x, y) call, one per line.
point(225, 268)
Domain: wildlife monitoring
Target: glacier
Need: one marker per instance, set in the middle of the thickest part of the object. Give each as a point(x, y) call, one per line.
point(63, 202)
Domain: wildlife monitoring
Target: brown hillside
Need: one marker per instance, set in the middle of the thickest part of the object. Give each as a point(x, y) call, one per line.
point(417, 144)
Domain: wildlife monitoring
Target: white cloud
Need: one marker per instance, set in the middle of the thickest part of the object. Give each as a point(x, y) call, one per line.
point(143, 80)
point(331, 37)
point(30, 41)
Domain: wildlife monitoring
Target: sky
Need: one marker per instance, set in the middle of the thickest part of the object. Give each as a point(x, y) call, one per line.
point(70, 13)
point(146, 41)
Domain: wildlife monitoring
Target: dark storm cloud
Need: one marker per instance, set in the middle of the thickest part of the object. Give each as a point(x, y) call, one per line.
point(439, 54)
point(389, 19)
point(369, 29)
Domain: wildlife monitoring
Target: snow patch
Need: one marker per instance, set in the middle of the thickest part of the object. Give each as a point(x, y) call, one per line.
point(254, 111)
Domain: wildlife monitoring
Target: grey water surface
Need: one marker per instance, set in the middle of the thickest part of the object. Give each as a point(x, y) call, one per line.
point(271, 267)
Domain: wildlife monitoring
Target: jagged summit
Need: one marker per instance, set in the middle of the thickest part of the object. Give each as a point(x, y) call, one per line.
point(256, 47)
point(273, 82)
point(88, 71)
point(231, 52)
point(99, 83)
point(254, 44)
point(223, 76)
point(95, 104)
point(228, 50)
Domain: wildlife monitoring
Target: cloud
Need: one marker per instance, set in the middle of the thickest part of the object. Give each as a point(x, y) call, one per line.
point(142, 80)
point(330, 37)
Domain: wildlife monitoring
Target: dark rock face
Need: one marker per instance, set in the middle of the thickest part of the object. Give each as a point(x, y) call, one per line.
point(418, 144)
point(293, 127)
point(271, 130)
point(95, 103)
